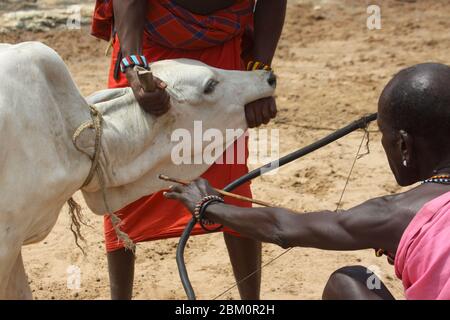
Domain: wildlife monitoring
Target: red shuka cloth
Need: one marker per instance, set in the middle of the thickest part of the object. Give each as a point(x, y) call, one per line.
point(154, 217)
point(172, 26)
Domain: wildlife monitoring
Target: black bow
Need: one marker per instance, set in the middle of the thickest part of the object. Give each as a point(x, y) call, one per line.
point(361, 123)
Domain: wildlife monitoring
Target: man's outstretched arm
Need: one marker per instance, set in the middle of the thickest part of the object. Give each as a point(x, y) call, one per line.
point(349, 230)
point(365, 226)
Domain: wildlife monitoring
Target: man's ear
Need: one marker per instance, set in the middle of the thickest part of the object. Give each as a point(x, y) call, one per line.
point(406, 148)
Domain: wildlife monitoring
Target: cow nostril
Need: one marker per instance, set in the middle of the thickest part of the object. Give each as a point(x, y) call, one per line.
point(272, 80)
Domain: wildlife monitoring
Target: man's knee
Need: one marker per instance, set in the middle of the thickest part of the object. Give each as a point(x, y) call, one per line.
point(355, 272)
point(342, 278)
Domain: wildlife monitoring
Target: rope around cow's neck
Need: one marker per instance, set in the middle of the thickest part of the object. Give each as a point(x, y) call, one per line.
point(96, 123)
point(361, 123)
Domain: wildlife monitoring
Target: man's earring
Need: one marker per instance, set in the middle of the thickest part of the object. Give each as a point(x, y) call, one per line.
point(405, 164)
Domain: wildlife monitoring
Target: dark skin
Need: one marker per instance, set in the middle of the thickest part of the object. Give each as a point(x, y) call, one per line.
point(245, 253)
point(204, 7)
point(130, 16)
point(376, 223)
point(267, 33)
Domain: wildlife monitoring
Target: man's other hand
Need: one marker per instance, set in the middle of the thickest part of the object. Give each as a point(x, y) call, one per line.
point(260, 111)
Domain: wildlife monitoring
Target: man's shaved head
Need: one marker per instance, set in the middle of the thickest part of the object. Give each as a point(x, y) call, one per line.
point(417, 100)
point(414, 118)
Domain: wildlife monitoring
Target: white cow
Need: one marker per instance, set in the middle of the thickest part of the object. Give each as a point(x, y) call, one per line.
point(40, 168)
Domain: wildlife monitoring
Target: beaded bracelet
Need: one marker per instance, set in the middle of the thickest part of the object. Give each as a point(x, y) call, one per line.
point(257, 65)
point(200, 209)
point(133, 60)
point(205, 222)
point(200, 204)
point(442, 179)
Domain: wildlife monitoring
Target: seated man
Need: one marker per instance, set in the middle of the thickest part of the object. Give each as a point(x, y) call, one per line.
point(412, 227)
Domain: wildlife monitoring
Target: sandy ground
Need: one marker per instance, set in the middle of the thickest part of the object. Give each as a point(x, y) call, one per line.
point(331, 70)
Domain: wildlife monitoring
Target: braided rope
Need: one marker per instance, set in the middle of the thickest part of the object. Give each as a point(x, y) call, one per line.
point(97, 124)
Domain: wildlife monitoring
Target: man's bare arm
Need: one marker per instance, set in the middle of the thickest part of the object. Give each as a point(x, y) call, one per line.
point(368, 225)
point(375, 223)
point(268, 24)
point(129, 21)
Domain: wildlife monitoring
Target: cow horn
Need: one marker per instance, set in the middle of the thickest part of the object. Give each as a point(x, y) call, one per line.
point(145, 78)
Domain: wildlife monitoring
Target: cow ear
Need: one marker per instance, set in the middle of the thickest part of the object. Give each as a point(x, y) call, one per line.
point(210, 86)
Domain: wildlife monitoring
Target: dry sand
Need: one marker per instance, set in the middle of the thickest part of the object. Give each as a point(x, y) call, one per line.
point(331, 70)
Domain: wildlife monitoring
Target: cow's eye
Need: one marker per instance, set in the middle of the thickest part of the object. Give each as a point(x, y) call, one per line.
point(210, 86)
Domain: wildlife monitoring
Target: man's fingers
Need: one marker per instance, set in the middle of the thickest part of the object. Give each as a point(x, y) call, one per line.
point(166, 102)
point(176, 189)
point(201, 181)
point(159, 83)
point(173, 195)
point(202, 184)
point(175, 192)
point(250, 116)
point(156, 103)
point(257, 109)
point(158, 112)
point(265, 111)
point(154, 111)
point(273, 109)
point(156, 97)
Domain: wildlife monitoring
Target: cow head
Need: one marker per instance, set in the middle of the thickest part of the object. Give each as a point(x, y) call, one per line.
point(138, 146)
point(194, 86)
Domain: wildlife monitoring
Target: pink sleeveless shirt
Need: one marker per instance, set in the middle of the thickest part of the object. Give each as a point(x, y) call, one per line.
point(422, 261)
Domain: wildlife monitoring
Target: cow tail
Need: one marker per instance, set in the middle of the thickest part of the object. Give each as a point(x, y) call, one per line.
point(76, 216)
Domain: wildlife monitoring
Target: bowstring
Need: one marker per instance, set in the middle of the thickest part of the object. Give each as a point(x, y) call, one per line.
point(358, 156)
point(253, 273)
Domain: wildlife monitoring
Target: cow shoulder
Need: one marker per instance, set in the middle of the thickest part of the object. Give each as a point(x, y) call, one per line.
point(28, 54)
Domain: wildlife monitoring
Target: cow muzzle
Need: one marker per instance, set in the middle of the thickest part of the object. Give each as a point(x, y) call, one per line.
point(272, 79)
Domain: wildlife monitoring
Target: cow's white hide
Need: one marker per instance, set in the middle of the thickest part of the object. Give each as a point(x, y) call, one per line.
point(40, 106)
point(137, 146)
point(40, 109)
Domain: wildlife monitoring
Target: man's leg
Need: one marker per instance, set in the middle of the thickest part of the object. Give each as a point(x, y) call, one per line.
point(245, 257)
point(121, 273)
point(355, 283)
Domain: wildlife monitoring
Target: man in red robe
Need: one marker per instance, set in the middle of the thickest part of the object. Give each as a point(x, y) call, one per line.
point(213, 32)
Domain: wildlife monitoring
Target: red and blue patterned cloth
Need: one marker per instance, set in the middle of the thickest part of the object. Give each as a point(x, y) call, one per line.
point(171, 26)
